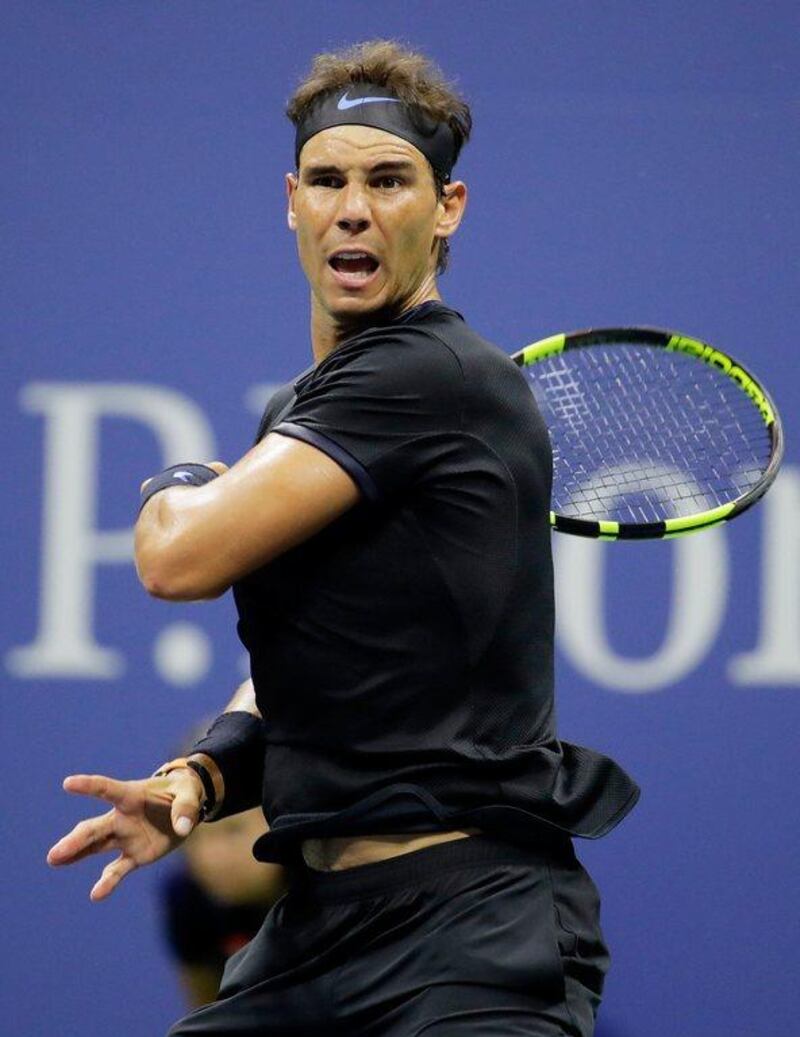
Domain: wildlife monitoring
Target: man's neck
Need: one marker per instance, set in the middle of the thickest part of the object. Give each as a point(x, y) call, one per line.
point(327, 332)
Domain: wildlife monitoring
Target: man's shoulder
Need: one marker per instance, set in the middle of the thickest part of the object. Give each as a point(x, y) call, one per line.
point(479, 358)
point(392, 352)
point(430, 348)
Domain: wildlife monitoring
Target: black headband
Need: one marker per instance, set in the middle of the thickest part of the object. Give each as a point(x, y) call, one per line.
point(365, 104)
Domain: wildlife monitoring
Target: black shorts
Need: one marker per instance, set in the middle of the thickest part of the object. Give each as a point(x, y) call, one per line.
point(474, 936)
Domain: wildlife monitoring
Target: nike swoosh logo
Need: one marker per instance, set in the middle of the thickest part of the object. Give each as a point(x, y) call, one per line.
point(346, 102)
point(183, 476)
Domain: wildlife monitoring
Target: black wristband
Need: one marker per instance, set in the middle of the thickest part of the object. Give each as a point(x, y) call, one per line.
point(177, 475)
point(210, 800)
point(236, 742)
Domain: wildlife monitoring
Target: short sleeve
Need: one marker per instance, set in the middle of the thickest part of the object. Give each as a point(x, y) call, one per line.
point(276, 404)
point(381, 408)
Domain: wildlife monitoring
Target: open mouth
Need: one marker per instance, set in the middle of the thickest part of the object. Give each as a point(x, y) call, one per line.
point(354, 265)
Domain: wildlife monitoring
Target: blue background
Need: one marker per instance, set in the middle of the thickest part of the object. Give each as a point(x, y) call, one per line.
point(630, 163)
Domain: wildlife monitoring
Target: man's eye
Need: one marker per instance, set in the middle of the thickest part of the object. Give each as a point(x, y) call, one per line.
point(326, 181)
point(389, 182)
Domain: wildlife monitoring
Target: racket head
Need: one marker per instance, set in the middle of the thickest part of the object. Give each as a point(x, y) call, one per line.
point(655, 434)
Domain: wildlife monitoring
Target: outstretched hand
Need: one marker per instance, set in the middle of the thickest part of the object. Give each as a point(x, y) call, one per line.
point(148, 819)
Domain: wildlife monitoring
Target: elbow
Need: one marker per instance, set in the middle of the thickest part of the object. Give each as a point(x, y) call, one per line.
point(176, 583)
point(158, 577)
point(170, 571)
point(153, 544)
point(159, 583)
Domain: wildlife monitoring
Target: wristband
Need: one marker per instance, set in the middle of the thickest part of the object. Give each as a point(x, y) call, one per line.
point(209, 806)
point(177, 475)
point(236, 742)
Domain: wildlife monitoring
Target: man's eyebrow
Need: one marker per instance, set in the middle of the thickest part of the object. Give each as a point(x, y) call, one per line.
point(320, 170)
point(399, 165)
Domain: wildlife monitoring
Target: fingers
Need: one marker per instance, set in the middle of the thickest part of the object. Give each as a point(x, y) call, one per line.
point(111, 877)
point(98, 785)
point(95, 835)
point(100, 845)
point(188, 798)
point(91, 836)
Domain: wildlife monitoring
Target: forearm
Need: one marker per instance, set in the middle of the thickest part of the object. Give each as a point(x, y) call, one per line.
point(243, 700)
point(232, 754)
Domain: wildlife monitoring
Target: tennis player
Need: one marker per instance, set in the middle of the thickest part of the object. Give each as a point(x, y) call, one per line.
point(387, 541)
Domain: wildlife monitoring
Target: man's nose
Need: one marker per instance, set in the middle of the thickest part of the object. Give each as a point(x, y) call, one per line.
point(354, 214)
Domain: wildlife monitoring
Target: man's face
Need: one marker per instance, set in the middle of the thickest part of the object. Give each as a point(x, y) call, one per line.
point(366, 213)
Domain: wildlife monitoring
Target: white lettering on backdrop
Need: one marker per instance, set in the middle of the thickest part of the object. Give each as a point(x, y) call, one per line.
point(699, 593)
point(72, 546)
point(776, 657)
point(700, 586)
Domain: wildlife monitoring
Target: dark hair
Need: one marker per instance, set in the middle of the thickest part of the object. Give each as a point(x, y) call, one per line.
point(411, 76)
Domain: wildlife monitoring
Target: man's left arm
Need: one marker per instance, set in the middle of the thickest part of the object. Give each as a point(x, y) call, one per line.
point(192, 543)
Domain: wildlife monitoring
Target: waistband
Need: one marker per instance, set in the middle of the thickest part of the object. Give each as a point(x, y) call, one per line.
point(408, 869)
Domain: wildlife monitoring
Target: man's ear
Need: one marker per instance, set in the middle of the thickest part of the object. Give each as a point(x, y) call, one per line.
point(451, 205)
point(291, 187)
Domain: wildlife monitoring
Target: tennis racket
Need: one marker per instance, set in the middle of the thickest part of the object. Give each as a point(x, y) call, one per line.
point(654, 434)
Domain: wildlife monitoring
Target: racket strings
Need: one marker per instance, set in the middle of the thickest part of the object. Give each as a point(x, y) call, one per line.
point(641, 434)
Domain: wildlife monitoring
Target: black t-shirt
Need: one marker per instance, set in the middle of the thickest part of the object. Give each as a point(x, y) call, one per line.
point(403, 657)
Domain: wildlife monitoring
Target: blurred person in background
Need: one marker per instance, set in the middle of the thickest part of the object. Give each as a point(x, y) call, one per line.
point(387, 541)
point(214, 900)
